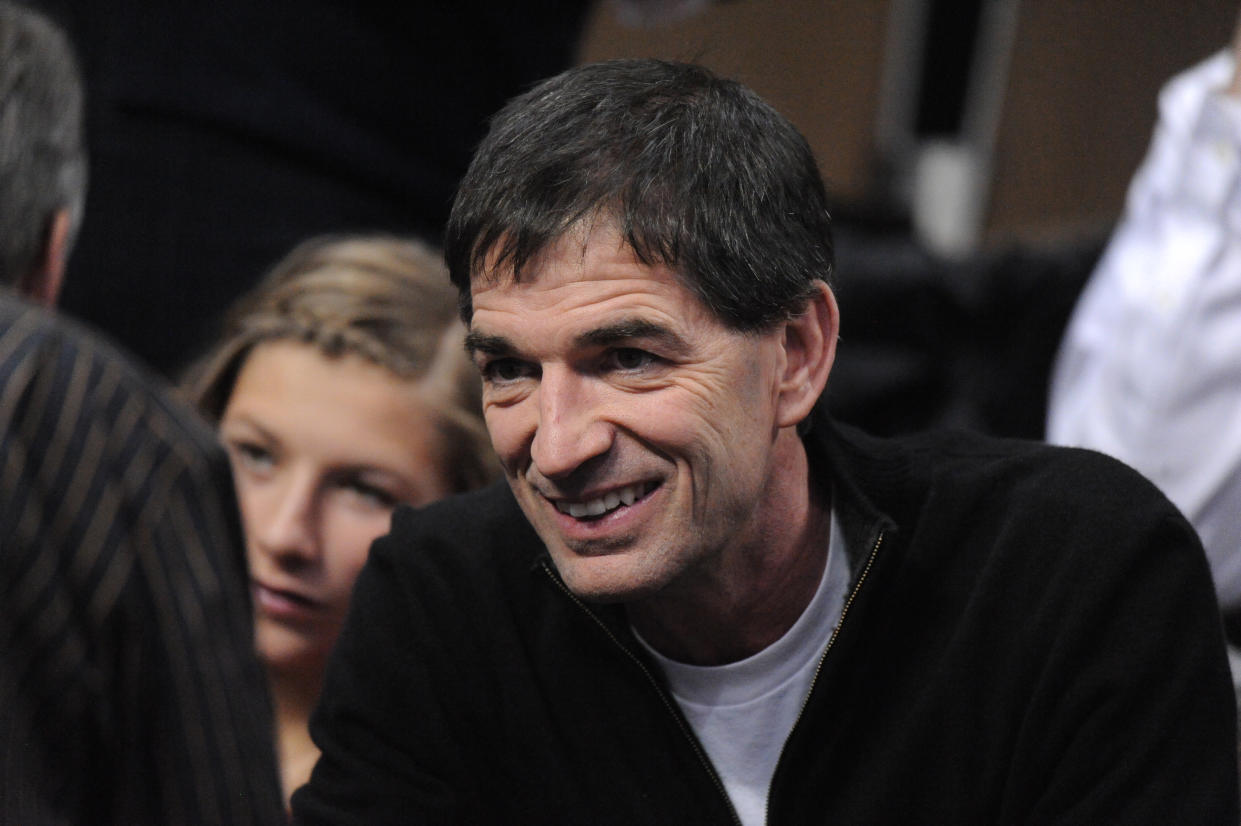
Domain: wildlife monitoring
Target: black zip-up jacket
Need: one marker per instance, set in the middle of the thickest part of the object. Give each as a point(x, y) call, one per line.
point(1031, 637)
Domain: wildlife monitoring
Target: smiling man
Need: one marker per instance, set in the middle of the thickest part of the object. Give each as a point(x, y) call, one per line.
point(653, 448)
point(699, 600)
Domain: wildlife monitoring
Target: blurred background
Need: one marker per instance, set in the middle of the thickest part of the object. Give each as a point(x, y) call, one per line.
point(984, 122)
point(976, 152)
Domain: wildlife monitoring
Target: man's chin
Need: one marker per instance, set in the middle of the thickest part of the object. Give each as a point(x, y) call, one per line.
point(603, 580)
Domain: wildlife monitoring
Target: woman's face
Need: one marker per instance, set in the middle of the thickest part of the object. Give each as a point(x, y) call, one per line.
point(322, 449)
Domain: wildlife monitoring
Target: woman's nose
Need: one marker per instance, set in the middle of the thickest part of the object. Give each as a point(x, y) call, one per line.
point(289, 526)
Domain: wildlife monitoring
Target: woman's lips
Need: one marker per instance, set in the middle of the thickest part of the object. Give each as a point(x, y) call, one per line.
point(285, 605)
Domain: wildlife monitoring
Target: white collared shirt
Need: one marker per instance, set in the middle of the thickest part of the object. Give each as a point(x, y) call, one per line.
point(1149, 370)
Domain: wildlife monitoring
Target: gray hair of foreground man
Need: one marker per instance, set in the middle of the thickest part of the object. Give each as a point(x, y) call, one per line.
point(696, 172)
point(42, 156)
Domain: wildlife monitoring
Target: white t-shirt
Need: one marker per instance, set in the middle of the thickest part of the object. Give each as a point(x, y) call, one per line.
point(743, 712)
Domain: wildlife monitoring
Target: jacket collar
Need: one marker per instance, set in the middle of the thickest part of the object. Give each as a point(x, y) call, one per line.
point(871, 484)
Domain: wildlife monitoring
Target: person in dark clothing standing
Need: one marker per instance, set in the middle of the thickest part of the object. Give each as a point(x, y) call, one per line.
point(700, 600)
point(129, 688)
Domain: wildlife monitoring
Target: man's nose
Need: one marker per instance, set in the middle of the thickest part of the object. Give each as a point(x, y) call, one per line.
point(290, 529)
point(569, 431)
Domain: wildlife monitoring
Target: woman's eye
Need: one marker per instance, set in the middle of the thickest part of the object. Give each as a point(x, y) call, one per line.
point(372, 495)
point(630, 358)
point(253, 456)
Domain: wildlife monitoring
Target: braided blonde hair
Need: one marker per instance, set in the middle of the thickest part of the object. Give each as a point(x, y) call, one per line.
point(385, 299)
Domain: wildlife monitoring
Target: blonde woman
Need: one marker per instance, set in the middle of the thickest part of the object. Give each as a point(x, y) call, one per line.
point(341, 389)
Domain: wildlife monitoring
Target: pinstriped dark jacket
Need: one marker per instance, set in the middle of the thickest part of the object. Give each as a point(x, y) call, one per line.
point(129, 690)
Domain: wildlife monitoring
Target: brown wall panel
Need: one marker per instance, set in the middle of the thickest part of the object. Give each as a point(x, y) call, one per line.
point(816, 61)
point(1081, 104)
point(1078, 111)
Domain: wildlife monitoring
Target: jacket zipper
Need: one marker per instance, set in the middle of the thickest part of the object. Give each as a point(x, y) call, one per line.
point(844, 612)
point(663, 695)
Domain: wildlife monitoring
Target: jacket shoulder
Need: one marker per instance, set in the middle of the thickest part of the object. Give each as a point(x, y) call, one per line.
point(1051, 474)
point(477, 532)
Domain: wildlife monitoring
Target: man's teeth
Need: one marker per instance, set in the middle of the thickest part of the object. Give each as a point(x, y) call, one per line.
point(608, 502)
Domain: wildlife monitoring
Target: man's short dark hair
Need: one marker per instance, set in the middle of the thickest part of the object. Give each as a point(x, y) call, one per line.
point(42, 154)
point(696, 172)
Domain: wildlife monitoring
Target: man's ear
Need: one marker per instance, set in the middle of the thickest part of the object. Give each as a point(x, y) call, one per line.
point(809, 351)
point(42, 284)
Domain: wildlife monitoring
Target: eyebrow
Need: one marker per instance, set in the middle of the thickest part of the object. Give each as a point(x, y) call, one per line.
point(624, 330)
point(247, 420)
point(476, 342)
point(629, 329)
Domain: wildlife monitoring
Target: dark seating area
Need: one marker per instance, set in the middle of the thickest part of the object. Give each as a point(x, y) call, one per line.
point(929, 342)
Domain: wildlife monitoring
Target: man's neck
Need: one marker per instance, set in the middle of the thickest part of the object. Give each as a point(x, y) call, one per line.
point(754, 591)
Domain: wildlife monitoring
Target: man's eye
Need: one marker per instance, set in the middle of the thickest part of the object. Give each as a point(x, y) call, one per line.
point(506, 370)
point(630, 358)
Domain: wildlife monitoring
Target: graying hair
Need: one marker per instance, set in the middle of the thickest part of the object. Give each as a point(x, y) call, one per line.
point(42, 155)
